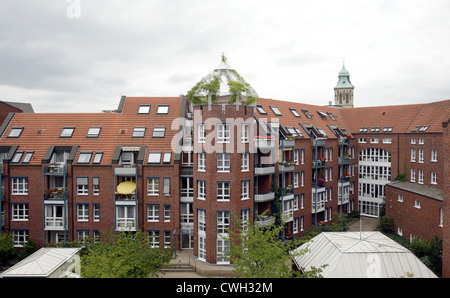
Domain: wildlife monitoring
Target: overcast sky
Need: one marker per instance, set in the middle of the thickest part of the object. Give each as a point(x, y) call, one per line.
point(82, 55)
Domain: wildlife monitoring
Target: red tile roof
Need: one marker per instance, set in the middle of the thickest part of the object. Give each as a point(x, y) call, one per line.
point(41, 130)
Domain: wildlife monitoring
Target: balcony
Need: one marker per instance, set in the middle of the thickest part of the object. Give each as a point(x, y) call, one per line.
point(265, 221)
point(319, 142)
point(54, 223)
point(56, 168)
point(54, 194)
point(286, 167)
point(125, 224)
point(265, 142)
point(287, 143)
point(264, 169)
point(319, 163)
point(344, 160)
point(125, 171)
point(264, 197)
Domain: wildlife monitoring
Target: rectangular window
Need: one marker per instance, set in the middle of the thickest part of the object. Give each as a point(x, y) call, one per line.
point(82, 212)
point(125, 217)
point(139, 132)
point(154, 157)
point(153, 238)
point(97, 157)
point(245, 132)
point(93, 132)
point(400, 198)
point(152, 186)
point(294, 112)
point(96, 186)
point(433, 178)
point(159, 132)
point(223, 133)
point(19, 212)
point(85, 157)
point(153, 213)
point(223, 221)
point(421, 158)
point(15, 132)
point(201, 214)
point(27, 157)
point(245, 162)
point(434, 155)
point(413, 175)
point(167, 186)
point(67, 132)
point(167, 238)
point(387, 140)
point(17, 157)
point(201, 189)
point(201, 157)
point(245, 190)
point(144, 109)
point(276, 111)
point(420, 181)
point(20, 237)
point(413, 155)
point(82, 186)
point(166, 213)
point(223, 191)
point(223, 162)
point(163, 109)
point(19, 185)
point(296, 176)
point(201, 132)
point(417, 204)
point(261, 109)
point(96, 212)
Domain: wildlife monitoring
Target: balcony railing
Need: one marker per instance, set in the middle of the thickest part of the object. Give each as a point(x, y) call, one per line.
point(265, 143)
point(319, 163)
point(264, 197)
point(54, 223)
point(287, 143)
point(344, 160)
point(126, 224)
point(264, 169)
point(125, 197)
point(319, 142)
point(265, 221)
point(54, 194)
point(125, 171)
point(285, 167)
point(56, 168)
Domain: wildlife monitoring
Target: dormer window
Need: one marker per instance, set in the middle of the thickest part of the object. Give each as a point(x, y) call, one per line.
point(276, 111)
point(15, 132)
point(388, 129)
point(144, 109)
point(163, 109)
point(322, 115)
point(67, 132)
point(261, 110)
point(85, 157)
point(307, 114)
point(363, 129)
point(294, 112)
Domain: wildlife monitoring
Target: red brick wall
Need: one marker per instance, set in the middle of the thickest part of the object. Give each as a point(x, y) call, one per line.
point(446, 236)
point(422, 223)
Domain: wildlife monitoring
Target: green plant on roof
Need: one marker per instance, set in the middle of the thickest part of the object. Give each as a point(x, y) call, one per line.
point(210, 86)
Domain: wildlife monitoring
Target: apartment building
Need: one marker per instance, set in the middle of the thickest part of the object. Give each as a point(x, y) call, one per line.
point(185, 171)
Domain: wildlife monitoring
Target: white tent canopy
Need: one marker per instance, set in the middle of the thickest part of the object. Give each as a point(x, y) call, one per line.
point(359, 255)
point(46, 262)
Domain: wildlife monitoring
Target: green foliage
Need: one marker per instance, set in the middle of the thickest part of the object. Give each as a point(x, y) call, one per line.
point(7, 251)
point(258, 252)
point(429, 252)
point(28, 249)
point(386, 224)
point(210, 88)
point(123, 255)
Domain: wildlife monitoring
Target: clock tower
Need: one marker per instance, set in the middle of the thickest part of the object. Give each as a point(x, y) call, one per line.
point(343, 92)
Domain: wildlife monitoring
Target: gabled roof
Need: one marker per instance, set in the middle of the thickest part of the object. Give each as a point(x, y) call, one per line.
point(42, 130)
point(403, 118)
point(42, 263)
point(320, 116)
point(360, 255)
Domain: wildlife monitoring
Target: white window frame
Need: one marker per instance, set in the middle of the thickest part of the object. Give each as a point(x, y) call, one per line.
point(153, 186)
point(201, 133)
point(223, 162)
point(19, 186)
point(19, 212)
point(223, 191)
point(201, 162)
point(245, 132)
point(434, 155)
point(82, 212)
point(245, 190)
point(245, 161)
point(153, 213)
point(433, 178)
point(223, 133)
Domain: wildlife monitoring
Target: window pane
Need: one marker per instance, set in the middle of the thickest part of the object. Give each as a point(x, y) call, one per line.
point(159, 132)
point(144, 109)
point(67, 132)
point(163, 109)
point(154, 157)
point(93, 132)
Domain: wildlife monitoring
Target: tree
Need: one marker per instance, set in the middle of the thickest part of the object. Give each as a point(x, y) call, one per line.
point(258, 252)
point(123, 255)
point(7, 251)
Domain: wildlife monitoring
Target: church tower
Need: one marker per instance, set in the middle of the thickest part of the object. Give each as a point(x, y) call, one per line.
point(343, 92)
